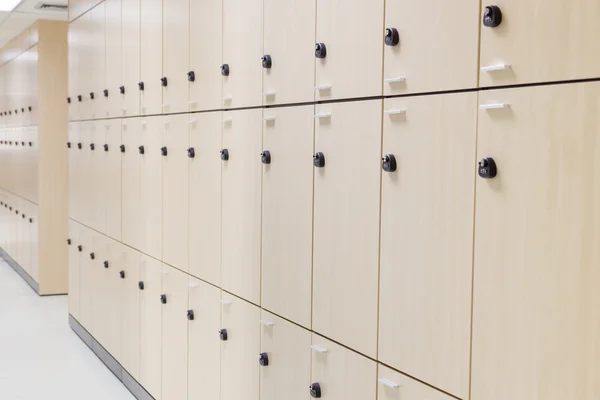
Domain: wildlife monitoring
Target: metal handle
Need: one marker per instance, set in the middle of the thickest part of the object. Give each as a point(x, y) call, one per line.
point(324, 115)
point(269, 119)
point(269, 94)
point(492, 68)
point(323, 87)
point(395, 112)
point(227, 98)
point(388, 383)
point(398, 79)
point(493, 106)
point(318, 349)
point(267, 322)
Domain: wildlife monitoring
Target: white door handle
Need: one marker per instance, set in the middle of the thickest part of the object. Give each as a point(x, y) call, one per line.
point(225, 302)
point(492, 68)
point(318, 349)
point(227, 98)
point(388, 383)
point(144, 122)
point(193, 121)
point(394, 112)
point(324, 115)
point(165, 105)
point(228, 120)
point(269, 119)
point(193, 102)
point(192, 285)
point(323, 87)
point(493, 106)
point(269, 94)
point(398, 79)
point(266, 322)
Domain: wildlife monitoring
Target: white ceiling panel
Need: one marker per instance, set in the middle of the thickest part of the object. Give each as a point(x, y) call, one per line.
point(14, 22)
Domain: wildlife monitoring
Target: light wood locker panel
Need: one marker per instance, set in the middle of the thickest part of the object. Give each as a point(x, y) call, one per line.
point(395, 386)
point(100, 317)
point(287, 220)
point(131, 183)
point(346, 223)
point(86, 276)
point(353, 63)
point(97, 46)
point(289, 39)
point(287, 348)
point(540, 42)
point(97, 179)
point(130, 323)
point(175, 334)
point(443, 57)
point(24, 250)
point(86, 172)
point(151, 186)
point(241, 204)
point(151, 50)
point(176, 55)
point(112, 99)
point(32, 178)
point(151, 326)
point(341, 373)
point(205, 197)
point(536, 297)
point(176, 191)
point(130, 47)
point(111, 266)
point(73, 242)
point(73, 156)
point(239, 353)
point(206, 56)
point(35, 242)
point(114, 173)
point(204, 352)
point(74, 69)
point(427, 238)
point(242, 52)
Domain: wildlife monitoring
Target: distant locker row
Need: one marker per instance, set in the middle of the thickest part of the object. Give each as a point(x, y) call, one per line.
point(18, 90)
point(145, 57)
point(19, 161)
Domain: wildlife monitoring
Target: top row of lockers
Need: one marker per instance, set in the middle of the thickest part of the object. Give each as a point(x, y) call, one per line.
point(143, 57)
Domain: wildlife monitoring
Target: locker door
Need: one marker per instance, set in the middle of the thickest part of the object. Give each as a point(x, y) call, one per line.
point(131, 288)
point(536, 287)
point(150, 325)
point(240, 272)
point(99, 283)
point(111, 265)
point(130, 47)
point(427, 238)
point(86, 277)
point(288, 136)
point(97, 205)
point(441, 57)
point(74, 171)
point(34, 232)
point(395, 386)
point(204, 352)
point(86, 174)
point(289, 38)
point(353, 62)
point(205, 197)
point(175, 334)
point(32, 179)
point(239, 353)
point(98, 61)
point(175, 191)
point(131, 182)
point(242, 52)
point(151, 186)
point(111, 149)
point(73, 48)
point(286, 347)
point(151, 56)
point(24, 251)
point(176, 54)
point(346, 223)
point(72, 243)
point(540, 43)
point(341, 373)
point(111, 96)
point(206, 56)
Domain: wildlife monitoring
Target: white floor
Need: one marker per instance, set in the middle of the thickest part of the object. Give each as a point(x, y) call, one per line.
point(40, 356)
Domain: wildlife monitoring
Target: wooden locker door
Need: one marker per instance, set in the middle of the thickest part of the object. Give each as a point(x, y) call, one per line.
point(151, 326)
point(85, 278)
point(427, 238)
point(114, 170)
point(175, 334)
point(111, 265)
point(130, 56)
point(341, 373)
point(99, 283)
point(395, 386)
point(239, 353)
point(24, 248)
point(285, 347)
point(114, 64)
point(73, 48)
point(204, 351)
point(289, 39)
point(206, 56)
point(242, 52)
point(536, 287)
point(175, 190)
point(205, 197)
point(86, 173)
point(540, 42)
point(85, 56)
point(131, 286)
point(151, 50)
point(97, 205)
point(33, 164)
point(240, 270)
point(73, 156)
point(353, 62)
point(72, 242)
point(176, 55)
point(97, 46)
point(346, 223)
point(35, 245)
point(131, 182)
point(287, 220)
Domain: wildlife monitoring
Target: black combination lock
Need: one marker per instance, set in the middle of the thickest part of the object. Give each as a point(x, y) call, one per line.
point(191, 152)
point(79, 98)
point(141, 285)
point(92, 146)
point(92, 95)
point(392, 37)
point(69, 242)
point(191, 76)
point(122, 274)
point(105, 92)
point(163, 298)
point(190, 315)
point(225, 69)
point(267, 62)
point(223, 334)
point(163, 151)
point(487, 168)
point(492, 16)
point(224, 154)
point(388, 163)
point(122, 89)
point(320, 50)
point(265, 157)
point(319, 160)
point(80, 248)
point(141, 85)
point(79, 146)
point(263, 359)
point(69, 100)
point(92, 256)
point(105, 147)
point(315, 391)
point(163, 81)
point(122, 147)
point(141, 149)
point(69, 145)
point(106, 264)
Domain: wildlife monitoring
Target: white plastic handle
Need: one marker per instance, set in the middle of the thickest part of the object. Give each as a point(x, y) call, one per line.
point(388, 383)
point(227, 98)
point(144, 122)
point(165, 105)
point(494, 106)
point(193, 121)
point(492, 68)
point(269, 119)
point(193, 102)
point(269, 94)
point(394, 112)
point(323, 87)
point(225, 302)
point(166, 122)
point(192, 285)
point(165, 272)
point(228, 120)
point(318, 349)
point(324, 115)
point(267, 322)
point(398, 79)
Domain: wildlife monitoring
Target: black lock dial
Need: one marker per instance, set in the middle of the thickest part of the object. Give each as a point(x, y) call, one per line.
point(69, 145)
point(267, 62)
point(105, 147)
point(122, 147)
point(263, 359)
point(22, 109)
point(225, 69)
point(141, 85)
point(392, 37)
point(92, 95)
point(79, 98)
point(141, 285)
point(224, 154)
point(69, 100)
point(163, 151)
point(388, 163)
point(492, 16)
point(163, 81)
point(487, 168)
point(265, 157)
point(191, 152)
point(92, 146)
point(29, 108)
point(122, 274)
point(92, 256)
point(141, 149)
point(80, 248)
point(163, 298)
point(319, 160)
point(320, 50)
point(315, 390)
point(106, 264)
point(191, 76)
point(105, 92)
point(190, 315)
point(69, 242)
point(79, 146)
point(30, 144)
point(223, 334)
point(122, 89)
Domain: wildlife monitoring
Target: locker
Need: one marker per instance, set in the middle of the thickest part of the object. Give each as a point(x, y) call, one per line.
point(73, 59)
point(85, 186)
point(175, 191)
point(443, 59)
point(427, 238)
point(74, 172)
point(130, 47)
point(111, 96)
point(242, 52)
point(287, 201)
point(99, 286)
point(150, 326)
point(96, 207)
point(23, 235)
point(205, 197)
point(114, 157)
point(151, 56)
point(86, 278)
point(353, 62)
point(536, 297)
point(289, 37)
point(31, 150)
point(341, 373)
point(287, 369)
point(241, 174)
point(346, 223)
point(206, 55)
point(97, 52)
point(175, 334)
point(239, 353)
point(129, 277)
point(204, 352)
point(176, 55)
point(112, 296)
point(87, 82)
point(395, 386)
point(73, 268)
point(131, 182)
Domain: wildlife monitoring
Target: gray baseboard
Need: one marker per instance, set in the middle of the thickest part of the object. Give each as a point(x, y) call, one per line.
point(111, 363)
point(19, 270)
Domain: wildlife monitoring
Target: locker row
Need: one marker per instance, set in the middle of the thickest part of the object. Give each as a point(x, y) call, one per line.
point(18, 90)
point(19, 161)
point(182, 338)
point(147, 57)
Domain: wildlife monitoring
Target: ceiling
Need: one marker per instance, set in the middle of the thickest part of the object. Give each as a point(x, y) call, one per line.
point(14, 22)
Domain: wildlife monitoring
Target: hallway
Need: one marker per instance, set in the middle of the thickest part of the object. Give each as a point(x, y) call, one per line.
point(40, 356)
